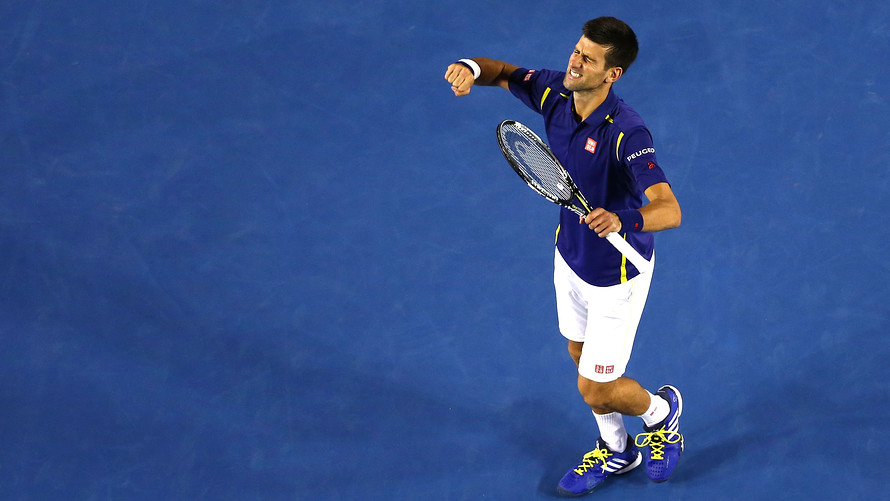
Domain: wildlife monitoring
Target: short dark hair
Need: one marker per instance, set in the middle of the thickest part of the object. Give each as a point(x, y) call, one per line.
point(619, 40)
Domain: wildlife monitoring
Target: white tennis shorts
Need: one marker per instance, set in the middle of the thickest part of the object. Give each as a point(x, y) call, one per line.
point(605, 319)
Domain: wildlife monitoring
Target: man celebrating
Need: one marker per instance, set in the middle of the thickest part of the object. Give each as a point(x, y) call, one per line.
point(608, 151)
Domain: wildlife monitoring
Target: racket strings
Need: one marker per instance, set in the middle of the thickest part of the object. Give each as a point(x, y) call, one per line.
point(535, 161)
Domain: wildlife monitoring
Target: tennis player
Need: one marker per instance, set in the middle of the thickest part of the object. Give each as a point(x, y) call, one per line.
point(608, 151)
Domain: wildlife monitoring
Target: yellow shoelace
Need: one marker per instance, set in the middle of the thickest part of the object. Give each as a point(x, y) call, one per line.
point(591, 458)
point(656, 440)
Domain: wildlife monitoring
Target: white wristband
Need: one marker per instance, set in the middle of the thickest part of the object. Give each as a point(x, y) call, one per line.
point(473, 65)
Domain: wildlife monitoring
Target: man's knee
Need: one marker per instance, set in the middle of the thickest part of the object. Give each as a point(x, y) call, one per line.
point(598, 396)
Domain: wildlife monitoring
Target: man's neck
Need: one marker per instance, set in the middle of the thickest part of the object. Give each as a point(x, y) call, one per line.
point(586, 102)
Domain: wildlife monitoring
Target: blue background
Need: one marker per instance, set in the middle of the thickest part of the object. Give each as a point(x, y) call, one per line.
point(258, 250)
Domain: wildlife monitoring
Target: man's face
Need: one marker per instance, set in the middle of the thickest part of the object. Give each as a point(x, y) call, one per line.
point(587, 67)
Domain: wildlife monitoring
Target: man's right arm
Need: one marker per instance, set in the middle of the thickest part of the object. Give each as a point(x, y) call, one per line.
point(492, 72)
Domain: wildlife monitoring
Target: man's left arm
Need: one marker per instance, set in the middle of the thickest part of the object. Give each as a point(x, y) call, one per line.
point(661, 213)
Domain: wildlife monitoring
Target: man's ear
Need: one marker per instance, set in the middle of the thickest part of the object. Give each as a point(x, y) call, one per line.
point(614, 74)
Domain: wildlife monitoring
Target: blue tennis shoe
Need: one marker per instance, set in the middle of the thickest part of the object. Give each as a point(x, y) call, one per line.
point(596, 466)
point(663, 442)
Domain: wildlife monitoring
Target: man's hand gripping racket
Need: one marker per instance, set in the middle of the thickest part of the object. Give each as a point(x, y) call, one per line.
point(532, 159)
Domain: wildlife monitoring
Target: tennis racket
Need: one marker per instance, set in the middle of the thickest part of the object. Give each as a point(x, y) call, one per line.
point(532, 159)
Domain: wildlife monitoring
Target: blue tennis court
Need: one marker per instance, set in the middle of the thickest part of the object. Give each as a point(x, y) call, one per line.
point(259, 251)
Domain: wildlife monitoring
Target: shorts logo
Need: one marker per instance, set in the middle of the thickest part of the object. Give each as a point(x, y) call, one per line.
point(528, 75)
point(591, 145)
point(609, 369)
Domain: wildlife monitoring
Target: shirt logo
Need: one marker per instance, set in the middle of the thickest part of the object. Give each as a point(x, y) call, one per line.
point(640, 153)
point(528, 75)
point(591, 145)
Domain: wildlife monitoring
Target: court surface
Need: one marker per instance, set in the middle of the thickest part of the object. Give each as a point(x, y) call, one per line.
point(259, 251)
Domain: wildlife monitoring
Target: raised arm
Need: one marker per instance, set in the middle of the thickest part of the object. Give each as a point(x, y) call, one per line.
point(491, 72)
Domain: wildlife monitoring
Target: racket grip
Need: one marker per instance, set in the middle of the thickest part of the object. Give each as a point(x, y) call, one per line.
point(629, 252)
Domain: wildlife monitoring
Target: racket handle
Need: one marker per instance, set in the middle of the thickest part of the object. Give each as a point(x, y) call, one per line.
point(629, 252)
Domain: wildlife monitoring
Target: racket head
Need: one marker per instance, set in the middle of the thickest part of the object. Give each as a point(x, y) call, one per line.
point(536, 164)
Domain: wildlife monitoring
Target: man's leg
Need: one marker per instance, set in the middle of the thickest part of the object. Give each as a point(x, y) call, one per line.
point(610, 400)
point(615, 452)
